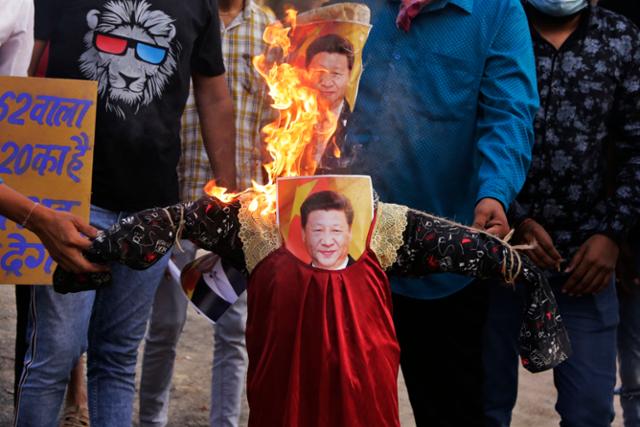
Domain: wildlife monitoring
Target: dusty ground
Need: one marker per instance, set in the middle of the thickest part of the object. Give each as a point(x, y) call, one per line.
point(190, 404)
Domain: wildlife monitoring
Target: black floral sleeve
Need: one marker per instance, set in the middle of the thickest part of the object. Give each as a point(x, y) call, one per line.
point(435, 245)
point(140, 240)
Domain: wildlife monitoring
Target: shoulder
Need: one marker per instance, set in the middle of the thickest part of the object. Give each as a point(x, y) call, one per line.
point(497, 9)
point(613, 21)
point(491, 18)
point(263, 14)
point(621, 35)
point(613, 24)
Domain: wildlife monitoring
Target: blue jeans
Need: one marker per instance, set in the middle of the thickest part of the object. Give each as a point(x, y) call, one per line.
point(629, 356)
point(584, 382)
point(108, 323)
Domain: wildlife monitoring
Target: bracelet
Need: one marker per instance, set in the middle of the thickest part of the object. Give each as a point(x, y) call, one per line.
point(24, 223)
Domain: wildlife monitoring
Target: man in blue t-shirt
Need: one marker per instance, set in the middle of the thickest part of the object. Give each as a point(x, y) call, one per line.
point(443, 123)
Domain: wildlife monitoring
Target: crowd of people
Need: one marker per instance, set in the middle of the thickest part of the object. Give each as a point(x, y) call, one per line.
point(498, 114)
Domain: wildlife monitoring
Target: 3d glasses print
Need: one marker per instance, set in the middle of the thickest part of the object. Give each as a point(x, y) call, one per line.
point(116, 45)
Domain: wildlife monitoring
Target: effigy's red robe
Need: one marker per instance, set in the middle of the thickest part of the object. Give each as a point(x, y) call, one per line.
point(321, 345)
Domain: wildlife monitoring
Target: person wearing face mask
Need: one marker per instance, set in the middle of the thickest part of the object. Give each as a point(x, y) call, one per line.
point(588, 67)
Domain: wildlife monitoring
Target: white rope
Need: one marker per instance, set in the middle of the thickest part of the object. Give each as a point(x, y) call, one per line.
point(180, 228)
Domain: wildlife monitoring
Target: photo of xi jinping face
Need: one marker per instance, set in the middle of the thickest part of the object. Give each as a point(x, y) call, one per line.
point(327, 218)
point(330, 60)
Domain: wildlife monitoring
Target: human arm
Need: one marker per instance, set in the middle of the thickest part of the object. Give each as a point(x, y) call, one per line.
point(215, 111)
point(38, 50)
point(528, 232)
point(540, 249)
point(506, 108)
point(60, 232)
point(490, 217)
point(593, 265)
point(214, 104)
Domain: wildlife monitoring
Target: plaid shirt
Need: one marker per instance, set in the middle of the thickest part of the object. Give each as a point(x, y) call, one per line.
point(241, 41)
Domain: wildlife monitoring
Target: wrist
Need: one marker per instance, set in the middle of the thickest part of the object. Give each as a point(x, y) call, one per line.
point(612, 240)
point(492, 200)
point(39, 216)
point(496, 196)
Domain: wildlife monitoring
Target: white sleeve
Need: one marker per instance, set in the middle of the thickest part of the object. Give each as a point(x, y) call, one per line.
point(16, 37)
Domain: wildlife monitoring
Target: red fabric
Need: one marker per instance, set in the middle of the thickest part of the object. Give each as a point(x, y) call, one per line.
point(409, 9)
point(322, 346)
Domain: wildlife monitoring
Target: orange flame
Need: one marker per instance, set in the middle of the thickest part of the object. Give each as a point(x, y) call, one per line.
point(287, 138)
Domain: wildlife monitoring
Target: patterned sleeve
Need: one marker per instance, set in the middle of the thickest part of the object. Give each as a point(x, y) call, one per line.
point(623, 207)
point(140, 240)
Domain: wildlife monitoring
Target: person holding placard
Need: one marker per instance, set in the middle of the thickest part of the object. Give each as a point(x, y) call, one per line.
point(142, 53)
point(60, 232)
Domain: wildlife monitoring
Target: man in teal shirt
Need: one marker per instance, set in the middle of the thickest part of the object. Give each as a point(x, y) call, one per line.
point(443, 123)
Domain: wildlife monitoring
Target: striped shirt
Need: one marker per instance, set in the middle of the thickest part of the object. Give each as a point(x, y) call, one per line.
point(241, 41)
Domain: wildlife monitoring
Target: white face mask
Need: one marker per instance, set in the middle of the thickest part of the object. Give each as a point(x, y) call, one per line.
point(559, 7)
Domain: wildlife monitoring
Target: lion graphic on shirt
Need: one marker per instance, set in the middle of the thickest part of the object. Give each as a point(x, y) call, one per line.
point(124, 77)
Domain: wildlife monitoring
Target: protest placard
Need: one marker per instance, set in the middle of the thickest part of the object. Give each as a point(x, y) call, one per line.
point(46, 153)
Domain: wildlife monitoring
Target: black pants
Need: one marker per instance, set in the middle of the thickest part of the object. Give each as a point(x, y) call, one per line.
point(23, 298)
point(441, 356)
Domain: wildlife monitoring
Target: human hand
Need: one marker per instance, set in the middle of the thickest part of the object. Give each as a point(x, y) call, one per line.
point(489, 216)
point(62, 235)
point(592, 266)
point(544, 254)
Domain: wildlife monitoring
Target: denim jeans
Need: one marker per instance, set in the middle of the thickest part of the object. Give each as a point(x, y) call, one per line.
point(229, 365)
point(629, 355)
point(584, 382)
point(229, 361)
point(108, 323)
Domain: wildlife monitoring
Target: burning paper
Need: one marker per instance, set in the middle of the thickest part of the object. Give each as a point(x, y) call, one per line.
point(312, 67)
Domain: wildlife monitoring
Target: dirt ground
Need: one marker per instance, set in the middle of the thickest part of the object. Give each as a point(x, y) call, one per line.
point(192, 379)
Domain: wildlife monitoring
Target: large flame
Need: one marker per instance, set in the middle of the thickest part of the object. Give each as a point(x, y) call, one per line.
point(298, 125)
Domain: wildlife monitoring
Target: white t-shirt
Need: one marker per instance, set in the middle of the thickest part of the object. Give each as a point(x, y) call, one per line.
point(16, 36)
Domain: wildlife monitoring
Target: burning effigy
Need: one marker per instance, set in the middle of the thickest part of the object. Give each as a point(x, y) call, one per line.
point(320, 336)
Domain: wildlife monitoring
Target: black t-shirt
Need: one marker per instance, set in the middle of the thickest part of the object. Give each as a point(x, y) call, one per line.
point(142, 53)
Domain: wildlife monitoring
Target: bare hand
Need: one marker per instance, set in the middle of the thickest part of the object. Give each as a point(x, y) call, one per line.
point(592, 267)
point(491, 218)
point(61, 233)
point(544, 254)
